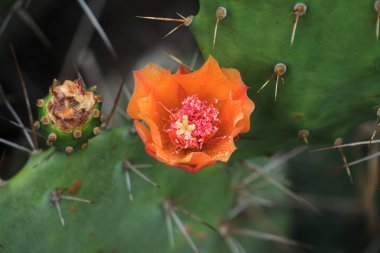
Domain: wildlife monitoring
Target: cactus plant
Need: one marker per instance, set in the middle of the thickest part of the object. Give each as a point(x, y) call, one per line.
point(313, 76)
point(333, 74)
point(87, 227)
point(101, 189)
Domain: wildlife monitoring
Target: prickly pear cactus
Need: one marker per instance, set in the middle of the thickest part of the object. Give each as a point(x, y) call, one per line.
point(332, 63)
point(111, 195)
point(110, 221)
point(69, 115)
point(313, 76)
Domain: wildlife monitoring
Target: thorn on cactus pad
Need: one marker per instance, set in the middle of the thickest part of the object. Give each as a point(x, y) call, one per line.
point(193, 216)
point(127, 167)
point(377, 125)
point(168, 207)
point(233, 245)
point(77, 134)
point(221, 13)
point(28, 130)
point(275, 163)
point(52, 137)
point(40, 102)
point(338, 142)
point(98, 98)
point(14, 113)
point(69, 150)
point(26, 97)
point(57, 195)
point(54, 199)
point(36, 124)
point(96, 113)
point(366, 158)
point(303, 135)
point(281, 187)
point(185, 21)
point(269, 237)
point(129, 185)
point(94, 21)
point(245, 200)
point(298, 10)
point(377, 9)
point(353, 144)
point(96, 131)
point(45, 120)
point(169, 223)
point(278, 71)
point(77, 199)
point(177, 60)
point(15, 145)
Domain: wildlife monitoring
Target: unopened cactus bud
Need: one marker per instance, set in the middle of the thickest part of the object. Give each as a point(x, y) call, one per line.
point(69, 114)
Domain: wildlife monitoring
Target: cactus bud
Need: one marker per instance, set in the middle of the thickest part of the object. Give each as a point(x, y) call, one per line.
point(69, 114)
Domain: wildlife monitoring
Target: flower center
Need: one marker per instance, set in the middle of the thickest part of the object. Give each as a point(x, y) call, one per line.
point(193, 124)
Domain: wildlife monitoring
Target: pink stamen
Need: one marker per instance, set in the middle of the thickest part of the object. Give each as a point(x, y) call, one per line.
point(193, 124)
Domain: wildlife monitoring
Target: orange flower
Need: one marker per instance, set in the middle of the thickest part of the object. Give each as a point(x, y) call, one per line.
point(189, 120)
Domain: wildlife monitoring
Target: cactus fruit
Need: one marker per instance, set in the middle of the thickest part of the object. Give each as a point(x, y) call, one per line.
point(333, 67)
point(69, 115)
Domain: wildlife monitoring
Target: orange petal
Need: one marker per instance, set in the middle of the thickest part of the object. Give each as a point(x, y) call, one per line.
point(190, 161)
point(156, 81)
point(248, 107)
point(208, 82)
point(239, 90)
point(221, 148)
point(143, 131)
point(231, 114)
point(140, 91)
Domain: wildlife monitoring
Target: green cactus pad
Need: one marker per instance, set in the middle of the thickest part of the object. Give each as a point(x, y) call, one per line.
point(113, 222)
point(75, 137)
point(332, 81)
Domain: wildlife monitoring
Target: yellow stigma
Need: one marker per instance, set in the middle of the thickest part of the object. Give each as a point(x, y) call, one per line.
point(183, 127)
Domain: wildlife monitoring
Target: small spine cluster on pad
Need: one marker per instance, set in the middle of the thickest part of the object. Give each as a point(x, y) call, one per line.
point(69, 115)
